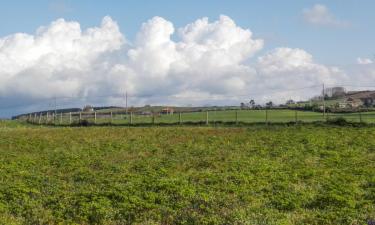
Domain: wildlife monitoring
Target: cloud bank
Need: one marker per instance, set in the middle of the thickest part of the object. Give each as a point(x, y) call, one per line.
point(209, 62)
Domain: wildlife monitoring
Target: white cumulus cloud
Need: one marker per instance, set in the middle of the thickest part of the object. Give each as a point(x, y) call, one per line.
point(57, 60)
point(320, 15)
point(207, 62)
point(295, 68)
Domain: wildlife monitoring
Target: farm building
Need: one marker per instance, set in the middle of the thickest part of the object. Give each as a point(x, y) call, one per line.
point(354, 103)
point(167, 111)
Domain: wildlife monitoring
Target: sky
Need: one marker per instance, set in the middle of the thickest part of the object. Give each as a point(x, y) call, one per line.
point(76, 52)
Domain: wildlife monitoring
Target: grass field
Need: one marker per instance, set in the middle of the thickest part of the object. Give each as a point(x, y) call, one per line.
point(244, 116)
point(179, 175)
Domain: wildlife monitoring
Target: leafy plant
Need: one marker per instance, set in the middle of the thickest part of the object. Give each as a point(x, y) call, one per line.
point(304, 174)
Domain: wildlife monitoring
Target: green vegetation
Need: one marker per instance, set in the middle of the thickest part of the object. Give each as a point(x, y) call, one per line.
point(180, 175)
point(13, 124)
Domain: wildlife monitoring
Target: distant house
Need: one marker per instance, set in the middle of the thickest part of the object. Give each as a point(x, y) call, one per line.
point(351, 103)
point(167, 111)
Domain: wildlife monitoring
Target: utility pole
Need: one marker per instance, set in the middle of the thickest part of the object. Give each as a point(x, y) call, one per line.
point(324, 103)
point(54, 117)
point(126, 102)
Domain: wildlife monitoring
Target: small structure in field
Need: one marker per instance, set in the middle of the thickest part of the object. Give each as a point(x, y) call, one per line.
point(167, 111)
point(88, 108)
point(146, 113)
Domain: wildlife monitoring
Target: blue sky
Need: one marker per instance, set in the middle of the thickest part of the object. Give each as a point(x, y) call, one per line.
point(292, 44)
point(279, 23)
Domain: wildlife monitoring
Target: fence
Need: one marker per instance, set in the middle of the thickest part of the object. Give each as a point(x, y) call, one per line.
point(203, 117)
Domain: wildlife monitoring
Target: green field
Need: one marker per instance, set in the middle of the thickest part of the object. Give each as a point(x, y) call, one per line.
point(306, 174)
point(240, 116)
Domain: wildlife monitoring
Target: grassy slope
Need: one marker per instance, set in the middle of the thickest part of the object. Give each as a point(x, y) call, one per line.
point(290, 175)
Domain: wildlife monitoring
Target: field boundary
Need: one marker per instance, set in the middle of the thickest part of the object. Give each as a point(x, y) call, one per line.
point(201, 118)
point(335, 122)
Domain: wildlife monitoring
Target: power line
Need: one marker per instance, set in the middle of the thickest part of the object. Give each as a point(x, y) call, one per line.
point(324, 102)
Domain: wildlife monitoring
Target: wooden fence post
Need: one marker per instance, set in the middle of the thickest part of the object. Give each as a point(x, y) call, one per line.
point(40, 118)
point(70, 117)
point(80, 117)
point(295, 116)
point(153, 118)
point(180, 118)
point(95, 117)
point(131, 117)
point(360, 117)
point(266, 116)
point(207, 117)
point(236, 117)
point(111, 117)
point(47, 117)
point(214, 117)
point(61, 117)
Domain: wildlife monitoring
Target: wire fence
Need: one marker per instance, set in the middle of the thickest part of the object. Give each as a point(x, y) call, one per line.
point(200, 117)
point(141, 112)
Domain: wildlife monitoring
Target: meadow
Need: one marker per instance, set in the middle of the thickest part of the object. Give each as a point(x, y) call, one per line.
point(277, 174)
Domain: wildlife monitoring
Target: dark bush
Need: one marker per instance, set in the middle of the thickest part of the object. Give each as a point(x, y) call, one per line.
point(84, 123)
point(338, 121)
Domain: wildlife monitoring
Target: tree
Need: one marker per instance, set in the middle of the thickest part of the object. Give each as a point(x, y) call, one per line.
point(289, 102)
point(368, 102)
point(243, 105)
point(269, 104)
point(252, 103)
